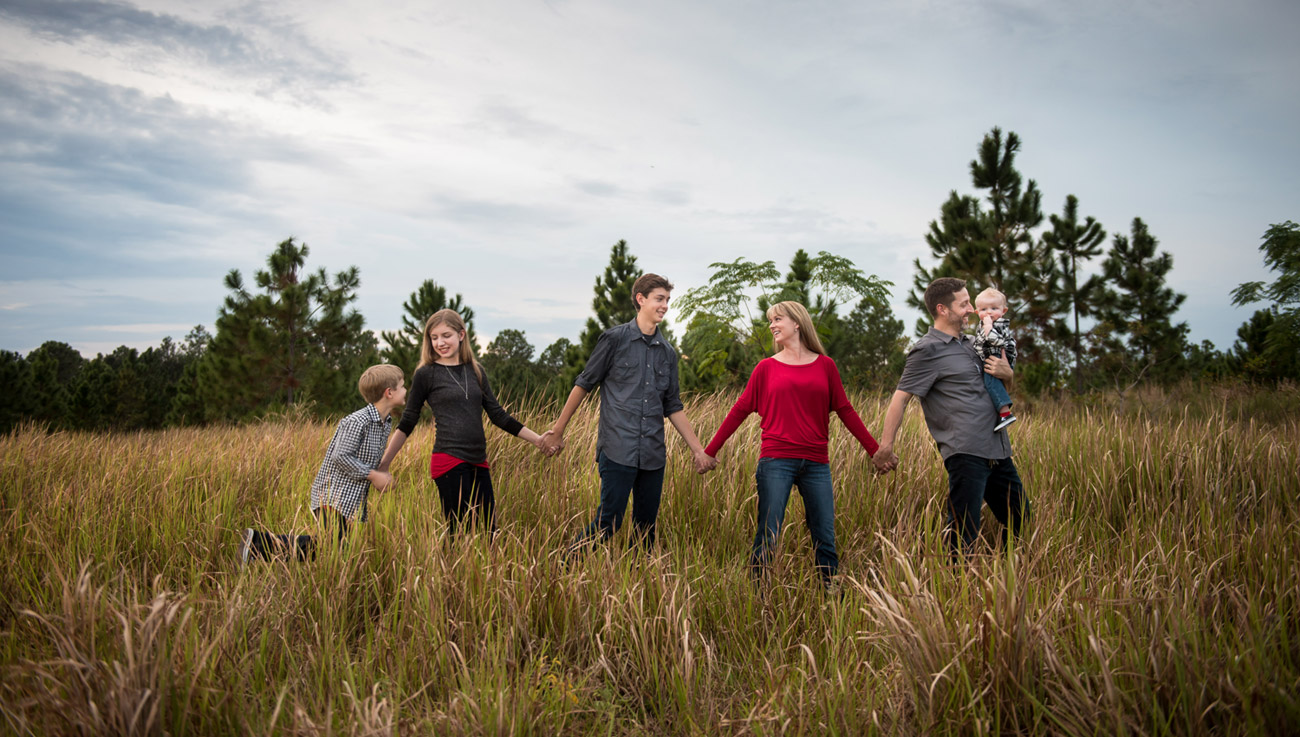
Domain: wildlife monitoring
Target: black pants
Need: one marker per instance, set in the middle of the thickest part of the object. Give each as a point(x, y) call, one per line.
point(467, 489)
point(271, 546)
point(974, 482)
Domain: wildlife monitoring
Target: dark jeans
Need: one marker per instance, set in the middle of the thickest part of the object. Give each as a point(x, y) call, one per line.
point(997, 391)
point(617, 482)
point(467, 489)
point(974, 481)
point(775, 477)
point(269, 545)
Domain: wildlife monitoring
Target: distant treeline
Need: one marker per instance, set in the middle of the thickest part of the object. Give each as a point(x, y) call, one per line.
point(294, 341)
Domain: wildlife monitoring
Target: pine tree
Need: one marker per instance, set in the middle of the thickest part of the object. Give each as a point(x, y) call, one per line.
point(871, 354)
point(402, 348)
point(1074, 244)
point(16, 401)
point(291, 339)
point(1280, 351)
point(1137, 304)
point(54, 368)
point(991, 247)
point(612, 306)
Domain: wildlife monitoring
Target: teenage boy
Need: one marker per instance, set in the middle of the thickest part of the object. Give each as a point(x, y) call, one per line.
point(944, 370)
point(350, 468)
point(637, 372)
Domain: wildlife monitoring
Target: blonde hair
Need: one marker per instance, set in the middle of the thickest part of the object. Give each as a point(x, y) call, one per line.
point(377, 379)
point(799, 313)
point(453, 320)
point(991, 292)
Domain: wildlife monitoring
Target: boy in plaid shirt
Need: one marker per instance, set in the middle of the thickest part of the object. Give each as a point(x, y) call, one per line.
point(341, 486)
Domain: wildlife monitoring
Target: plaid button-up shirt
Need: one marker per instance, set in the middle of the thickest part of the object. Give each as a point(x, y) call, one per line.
point(355, 451)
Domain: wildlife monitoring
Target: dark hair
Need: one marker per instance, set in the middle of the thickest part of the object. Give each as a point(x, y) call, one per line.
point(940, 292)
point(647, 283)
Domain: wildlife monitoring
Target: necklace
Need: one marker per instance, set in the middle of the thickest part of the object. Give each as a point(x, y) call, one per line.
point(464, 388)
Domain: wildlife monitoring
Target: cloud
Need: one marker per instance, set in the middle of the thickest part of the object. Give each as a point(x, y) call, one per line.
point(98, 174)
point(268, 50)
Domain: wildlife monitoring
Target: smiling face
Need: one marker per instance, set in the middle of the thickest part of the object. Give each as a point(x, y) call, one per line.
point(955, 314)
point(445, 341)
point(653, 305)
point(784, 330)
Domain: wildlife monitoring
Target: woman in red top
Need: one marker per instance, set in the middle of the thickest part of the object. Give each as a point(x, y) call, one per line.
point(794, 392)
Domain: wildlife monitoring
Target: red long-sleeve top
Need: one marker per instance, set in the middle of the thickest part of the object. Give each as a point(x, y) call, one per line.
point(795, 403)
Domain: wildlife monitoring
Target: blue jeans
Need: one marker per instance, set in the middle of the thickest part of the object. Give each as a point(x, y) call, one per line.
point(617, 482)
point(974, 481)
point(997, 391)
point(775, 478)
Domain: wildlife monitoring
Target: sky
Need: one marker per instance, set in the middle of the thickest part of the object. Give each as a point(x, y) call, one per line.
point(501, 147)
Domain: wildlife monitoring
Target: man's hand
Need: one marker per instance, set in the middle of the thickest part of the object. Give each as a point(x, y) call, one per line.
point(704, 462)
point(551, 443)
point(884, 460)
point(381, 480)
point(998, 366)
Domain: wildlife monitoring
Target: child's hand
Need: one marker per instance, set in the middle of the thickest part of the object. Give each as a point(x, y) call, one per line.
point(988, 323)
point(381, 480)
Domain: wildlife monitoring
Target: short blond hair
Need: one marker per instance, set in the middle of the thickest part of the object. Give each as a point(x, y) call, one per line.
point(991, 292)
point(376, 379)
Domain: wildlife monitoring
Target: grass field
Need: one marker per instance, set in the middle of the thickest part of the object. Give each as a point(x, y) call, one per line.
point(1157, 590)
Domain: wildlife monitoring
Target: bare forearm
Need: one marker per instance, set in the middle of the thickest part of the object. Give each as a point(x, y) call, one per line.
point(894, 418)
point(683, 426)
point(570, 406)
point(395, 444)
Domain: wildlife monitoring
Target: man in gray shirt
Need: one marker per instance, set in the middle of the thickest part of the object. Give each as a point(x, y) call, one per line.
point(637, 370)
point(945, 372)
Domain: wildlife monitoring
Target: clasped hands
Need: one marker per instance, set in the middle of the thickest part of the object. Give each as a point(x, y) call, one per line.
point(550, 443)
point(884, 460)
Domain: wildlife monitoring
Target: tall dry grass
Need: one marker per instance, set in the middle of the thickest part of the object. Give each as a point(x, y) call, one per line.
point(1156, 591)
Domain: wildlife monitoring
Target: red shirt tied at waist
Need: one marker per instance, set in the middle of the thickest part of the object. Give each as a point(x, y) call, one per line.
point(441, 463)
point(795, 403)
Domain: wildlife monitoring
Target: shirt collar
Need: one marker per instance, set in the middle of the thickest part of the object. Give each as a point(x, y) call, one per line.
point(634, 333)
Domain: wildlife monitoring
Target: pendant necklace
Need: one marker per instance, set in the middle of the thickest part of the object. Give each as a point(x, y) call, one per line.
point(464, 388)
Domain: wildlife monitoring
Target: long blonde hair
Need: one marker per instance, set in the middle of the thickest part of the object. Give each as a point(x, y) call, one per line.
point(453, 320)
point(799, 313)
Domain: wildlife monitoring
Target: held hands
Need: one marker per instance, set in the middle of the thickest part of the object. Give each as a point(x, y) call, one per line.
point(704, 462)
point(884, 460)
point(381, 480)
point(550, 443)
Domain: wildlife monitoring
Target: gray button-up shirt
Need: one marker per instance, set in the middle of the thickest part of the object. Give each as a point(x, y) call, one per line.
point(637, 374)
point(948, 376)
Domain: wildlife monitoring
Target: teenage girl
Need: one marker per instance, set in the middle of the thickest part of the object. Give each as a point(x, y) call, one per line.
point(456, 388)
point(794, 392)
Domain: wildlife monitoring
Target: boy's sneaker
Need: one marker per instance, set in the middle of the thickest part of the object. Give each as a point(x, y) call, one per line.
point(1004, 421)
point(245, 546)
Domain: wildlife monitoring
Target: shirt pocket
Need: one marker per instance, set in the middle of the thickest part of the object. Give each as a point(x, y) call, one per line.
point(625, 371)
point(661, 376)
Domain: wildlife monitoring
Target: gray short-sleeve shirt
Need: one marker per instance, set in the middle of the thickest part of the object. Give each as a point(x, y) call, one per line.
point(948, 377)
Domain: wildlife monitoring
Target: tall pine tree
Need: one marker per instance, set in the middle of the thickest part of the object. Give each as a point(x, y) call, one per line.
point(290, 339)
point(402, 348)
point(1074, 244)
point(1138, 306)
point(612, 306)
point(992, 246)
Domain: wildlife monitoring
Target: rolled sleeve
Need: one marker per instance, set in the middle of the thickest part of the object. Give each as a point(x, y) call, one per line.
point(598, 364)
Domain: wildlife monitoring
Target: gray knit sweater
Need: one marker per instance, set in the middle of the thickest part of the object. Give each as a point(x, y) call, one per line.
point(458, 402)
